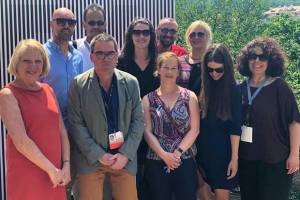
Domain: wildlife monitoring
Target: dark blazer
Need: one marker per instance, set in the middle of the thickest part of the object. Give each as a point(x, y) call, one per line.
point(88, 123)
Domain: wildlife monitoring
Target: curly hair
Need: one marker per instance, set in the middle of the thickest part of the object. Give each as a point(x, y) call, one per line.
point(128, 49)
point(269, 46)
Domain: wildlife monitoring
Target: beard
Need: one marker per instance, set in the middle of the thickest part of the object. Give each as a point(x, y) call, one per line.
point(65, 34)
point(166, 41)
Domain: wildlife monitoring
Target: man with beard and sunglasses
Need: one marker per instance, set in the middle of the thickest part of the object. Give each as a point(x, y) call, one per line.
point(166, 34)
point(94, 23)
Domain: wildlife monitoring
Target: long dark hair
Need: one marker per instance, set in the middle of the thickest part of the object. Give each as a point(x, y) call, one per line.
point(128, 49)
point(216, 95)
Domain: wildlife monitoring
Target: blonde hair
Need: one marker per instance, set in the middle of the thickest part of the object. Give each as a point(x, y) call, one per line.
point(198, 24)
point(164, 57)
point(19, 51)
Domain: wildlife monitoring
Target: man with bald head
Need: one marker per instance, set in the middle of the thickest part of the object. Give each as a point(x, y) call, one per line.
point(65, 61)
point(167, 33)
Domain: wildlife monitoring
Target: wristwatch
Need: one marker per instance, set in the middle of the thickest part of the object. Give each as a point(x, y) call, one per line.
point(180, 150)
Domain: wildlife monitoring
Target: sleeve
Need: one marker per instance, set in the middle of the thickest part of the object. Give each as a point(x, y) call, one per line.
point(136, 128)
point(78, 131)
point(236, 104)
point(289, 111)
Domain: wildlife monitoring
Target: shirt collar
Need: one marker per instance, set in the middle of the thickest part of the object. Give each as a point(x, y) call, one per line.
point(55, 46)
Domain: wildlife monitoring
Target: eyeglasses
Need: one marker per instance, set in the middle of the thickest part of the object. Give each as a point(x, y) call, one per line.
point(166, 31)
point(198, 34)
point(105, 54)
point(261, 57)
point(172, 69)
point(217, 70)
point(64, 21)
point(93, 23)
point(141, 32)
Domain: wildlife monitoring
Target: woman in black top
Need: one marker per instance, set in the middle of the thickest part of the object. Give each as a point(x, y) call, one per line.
point(269, 148)
point(138, 58)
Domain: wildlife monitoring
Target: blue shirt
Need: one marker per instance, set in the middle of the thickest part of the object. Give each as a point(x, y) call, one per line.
point(62, 71)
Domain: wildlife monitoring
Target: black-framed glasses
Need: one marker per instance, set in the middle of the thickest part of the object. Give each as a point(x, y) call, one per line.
point(167, 30)
point(261, 57)
point(141, 32)
point(64, 21)
point(105, 54)
point(217, 70)
point(94, 23)
point(198, 34)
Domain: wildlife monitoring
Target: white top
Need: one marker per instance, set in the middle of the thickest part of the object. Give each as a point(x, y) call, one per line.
point(85, 49)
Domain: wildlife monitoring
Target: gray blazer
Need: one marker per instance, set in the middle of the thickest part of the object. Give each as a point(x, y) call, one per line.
point(88, 123)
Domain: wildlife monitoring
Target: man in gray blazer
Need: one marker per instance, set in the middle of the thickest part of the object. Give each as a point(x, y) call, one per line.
point(106, 124)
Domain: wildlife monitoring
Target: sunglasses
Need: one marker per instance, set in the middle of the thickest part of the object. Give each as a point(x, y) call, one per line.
point(105, 54)
point(166, 31)
point(141, 32)
point(64, 21)
point(217, 70)
point(198, 34)
point(261, 57)
point(93, 23)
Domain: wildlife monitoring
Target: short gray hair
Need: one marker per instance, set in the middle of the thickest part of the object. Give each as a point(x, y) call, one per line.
point(105, 37)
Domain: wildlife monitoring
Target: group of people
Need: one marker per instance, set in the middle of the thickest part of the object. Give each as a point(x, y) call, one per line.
point(153, 121)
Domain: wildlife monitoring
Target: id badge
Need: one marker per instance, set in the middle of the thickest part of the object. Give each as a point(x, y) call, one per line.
point(116, 140)
point(246, 134)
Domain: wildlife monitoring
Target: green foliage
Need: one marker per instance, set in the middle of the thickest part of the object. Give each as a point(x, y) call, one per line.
point(236, 22)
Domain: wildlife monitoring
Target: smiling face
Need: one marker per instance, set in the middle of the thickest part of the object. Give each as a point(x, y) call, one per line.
point(257, 62)
point(94, 24)
point(198, 38)
point(141, 40)
point(215, 70)
point(30, 66)
point(167, 32)
point(169, 70)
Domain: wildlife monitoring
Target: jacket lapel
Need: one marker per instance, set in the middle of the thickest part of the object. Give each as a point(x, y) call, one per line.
point(122, 93)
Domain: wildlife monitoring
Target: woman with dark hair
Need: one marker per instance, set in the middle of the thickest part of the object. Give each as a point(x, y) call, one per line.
point(269, 148)
point(138, 58)
point(220, 108)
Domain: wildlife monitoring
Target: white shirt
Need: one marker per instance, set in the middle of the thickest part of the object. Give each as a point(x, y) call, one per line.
point(85, 49)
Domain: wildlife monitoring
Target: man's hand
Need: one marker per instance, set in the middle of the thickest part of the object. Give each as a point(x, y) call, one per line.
point(120, 161)
point(107, 159)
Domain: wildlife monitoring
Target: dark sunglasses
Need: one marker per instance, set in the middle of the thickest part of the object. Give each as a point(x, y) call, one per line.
point(64, 21)
point(166, 31)
point(261, 57)
point(198, 34)
point(105, 54)
point(218, 70)
point(93, 23)
point(141, 32)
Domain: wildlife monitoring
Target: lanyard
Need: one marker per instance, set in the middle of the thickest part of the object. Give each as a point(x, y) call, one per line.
point(251, 97)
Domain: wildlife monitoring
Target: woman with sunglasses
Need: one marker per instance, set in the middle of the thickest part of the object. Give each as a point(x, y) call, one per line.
point(138, 58)
point(269, 148)
point(220, 109)
point(171, 116)
point(198, 37)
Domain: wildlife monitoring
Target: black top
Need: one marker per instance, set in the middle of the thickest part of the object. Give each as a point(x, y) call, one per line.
point(273, 110)
point(146, 79)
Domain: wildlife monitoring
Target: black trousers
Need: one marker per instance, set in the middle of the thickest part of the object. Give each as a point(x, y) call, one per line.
point(264, 181)
point(180, 183)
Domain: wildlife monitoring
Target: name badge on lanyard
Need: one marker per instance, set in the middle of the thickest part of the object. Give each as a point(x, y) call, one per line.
point(247, 130)
point(116, 140)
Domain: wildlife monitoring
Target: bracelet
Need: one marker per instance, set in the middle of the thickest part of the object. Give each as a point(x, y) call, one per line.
point(66, 161)
point(180, 150)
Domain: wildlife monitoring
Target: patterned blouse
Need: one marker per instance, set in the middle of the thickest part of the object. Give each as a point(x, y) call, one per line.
point(162, 127)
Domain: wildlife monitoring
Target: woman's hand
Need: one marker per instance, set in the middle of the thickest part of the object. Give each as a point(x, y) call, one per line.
point(66, 174)
point(56, 176)
point(292, 164)
point(232, 168)
point(172, 160)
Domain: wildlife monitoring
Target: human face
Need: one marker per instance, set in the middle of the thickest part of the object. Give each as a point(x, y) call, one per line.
point(141, 40)
point(107, 62)
point(61, 30)
point(30, 66)
point(215, 70)
point(169, 70)
point(167, 33)
point(94, 24)
point(257, 66)
point(198, 38)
